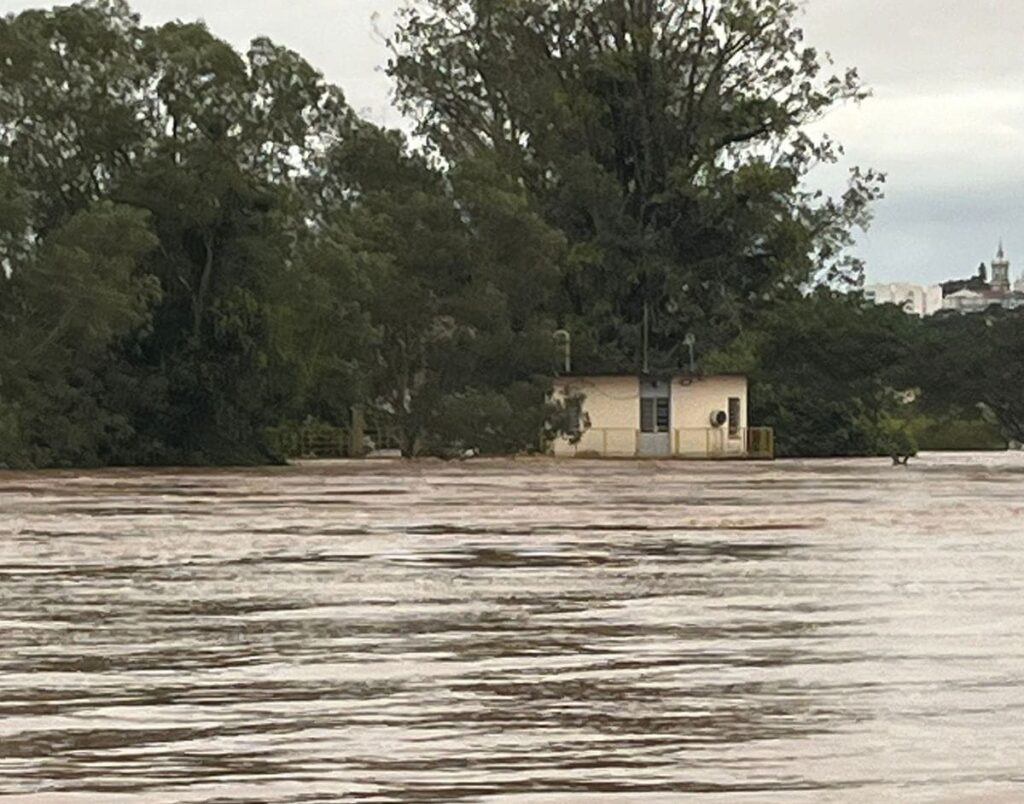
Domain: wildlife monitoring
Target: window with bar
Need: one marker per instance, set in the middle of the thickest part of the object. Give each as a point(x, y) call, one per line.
point(662, 415)
point(734, 417)
point(647, 420)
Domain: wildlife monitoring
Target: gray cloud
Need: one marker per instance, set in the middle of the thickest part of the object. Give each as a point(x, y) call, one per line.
point(946, 122)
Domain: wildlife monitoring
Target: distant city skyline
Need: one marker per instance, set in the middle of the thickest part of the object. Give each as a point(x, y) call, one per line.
point(946, 121)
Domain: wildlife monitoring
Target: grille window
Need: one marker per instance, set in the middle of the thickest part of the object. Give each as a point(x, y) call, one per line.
point(647, 415)
point(654, 415)
point(662, 415)
point(734, 416)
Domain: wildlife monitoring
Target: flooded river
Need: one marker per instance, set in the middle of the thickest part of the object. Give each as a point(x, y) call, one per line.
point(515, 631)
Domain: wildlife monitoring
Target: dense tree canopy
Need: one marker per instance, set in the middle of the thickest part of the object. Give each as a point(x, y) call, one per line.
point(198, 245)
point(271, 256)
point(967, 362)
point(167, 145)
point(826, 370)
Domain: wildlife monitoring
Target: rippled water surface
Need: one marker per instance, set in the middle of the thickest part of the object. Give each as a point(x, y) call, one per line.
point(515, 631)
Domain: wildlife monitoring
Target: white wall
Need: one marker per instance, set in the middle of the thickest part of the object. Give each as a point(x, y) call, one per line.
point(916, 299)
point(933, 299)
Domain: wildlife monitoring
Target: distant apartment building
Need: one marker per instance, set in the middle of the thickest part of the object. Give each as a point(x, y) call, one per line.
point(920, 300)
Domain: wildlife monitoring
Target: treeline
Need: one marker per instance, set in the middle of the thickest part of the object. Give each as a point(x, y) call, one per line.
point(198, 245)
point(836, 376)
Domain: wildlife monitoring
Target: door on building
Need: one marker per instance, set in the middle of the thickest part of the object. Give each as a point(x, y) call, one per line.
point(655, 438)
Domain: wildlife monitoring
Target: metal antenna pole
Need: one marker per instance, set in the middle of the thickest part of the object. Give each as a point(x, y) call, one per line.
point(566, 337)
point(647, 338)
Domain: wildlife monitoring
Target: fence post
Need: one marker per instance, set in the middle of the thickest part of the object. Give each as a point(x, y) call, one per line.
point(357, 433)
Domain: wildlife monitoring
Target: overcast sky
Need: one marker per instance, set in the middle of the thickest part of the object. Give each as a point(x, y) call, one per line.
point(946, 121)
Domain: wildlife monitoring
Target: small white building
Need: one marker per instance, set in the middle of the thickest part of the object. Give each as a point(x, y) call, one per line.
point(978, 301)
point(627, 416)
point(969, 301)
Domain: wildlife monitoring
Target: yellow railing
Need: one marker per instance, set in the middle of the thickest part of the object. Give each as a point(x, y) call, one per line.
point(615, 441)
point(761, 443)
point(686, 442)
point(721, 442)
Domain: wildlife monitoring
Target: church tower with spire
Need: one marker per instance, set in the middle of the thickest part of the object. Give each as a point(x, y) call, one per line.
point(1001, 271)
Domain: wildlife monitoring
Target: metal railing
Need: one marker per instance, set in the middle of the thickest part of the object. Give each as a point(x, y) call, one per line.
point(752, 443)
point(723, 442)
point(309, 442)
point(761, 443)
point(613, 441)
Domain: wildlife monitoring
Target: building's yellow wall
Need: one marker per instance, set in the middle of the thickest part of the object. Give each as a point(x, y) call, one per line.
point(613, 407)
point(693, 402)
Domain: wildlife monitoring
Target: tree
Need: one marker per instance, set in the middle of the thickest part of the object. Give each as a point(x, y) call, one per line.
point(222, 183)
point(665, 140)
point(447, 269)
point(73, 116)
point(65, 303)
point(966, 361)
point(212, 146)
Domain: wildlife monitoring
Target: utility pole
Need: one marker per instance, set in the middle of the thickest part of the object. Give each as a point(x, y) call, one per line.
point(647, 338)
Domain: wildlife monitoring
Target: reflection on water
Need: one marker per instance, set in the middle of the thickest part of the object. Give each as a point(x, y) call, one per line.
point(516, 631)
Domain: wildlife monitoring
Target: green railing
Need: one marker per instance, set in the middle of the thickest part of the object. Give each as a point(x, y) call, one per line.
point(761, 443)
point(310, 441)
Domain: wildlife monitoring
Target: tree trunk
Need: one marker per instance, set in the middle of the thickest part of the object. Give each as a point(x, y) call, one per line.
point(199, 301)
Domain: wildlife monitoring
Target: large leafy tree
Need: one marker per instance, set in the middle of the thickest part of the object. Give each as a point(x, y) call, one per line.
point(665, 138)
point(447, 269)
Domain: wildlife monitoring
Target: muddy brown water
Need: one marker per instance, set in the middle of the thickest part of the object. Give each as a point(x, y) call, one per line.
point(515, 631)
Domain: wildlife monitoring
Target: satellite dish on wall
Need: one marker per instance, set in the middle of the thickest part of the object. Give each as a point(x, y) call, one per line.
point(719, 418)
